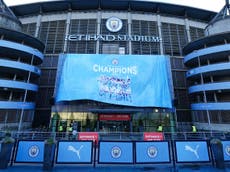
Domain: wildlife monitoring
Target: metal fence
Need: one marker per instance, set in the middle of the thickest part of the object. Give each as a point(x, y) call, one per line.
point(119, 136)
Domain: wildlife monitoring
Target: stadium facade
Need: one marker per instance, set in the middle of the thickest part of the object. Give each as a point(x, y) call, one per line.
point(20, 57)
point(208, 59)
point(121, 39)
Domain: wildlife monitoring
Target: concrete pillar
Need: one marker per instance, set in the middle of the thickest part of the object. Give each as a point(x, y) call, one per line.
point(98, 31)
point(160, 33)
point(68, 20)
point(130, 31)
point(38, 24)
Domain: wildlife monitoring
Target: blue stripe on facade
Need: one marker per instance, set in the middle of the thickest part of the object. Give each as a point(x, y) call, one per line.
point(211, 106)
point(208, 68)
point(18, 85)
point(19, 65)
point(209, 87)
point(206, 51)
point(22, 48)
point(16, 105)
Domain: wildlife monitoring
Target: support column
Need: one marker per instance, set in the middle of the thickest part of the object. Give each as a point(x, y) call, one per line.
point(98, 31)
point(38, 24)
point(130, 31)
point(187, 29)
point(160, 33)
point(69, 15)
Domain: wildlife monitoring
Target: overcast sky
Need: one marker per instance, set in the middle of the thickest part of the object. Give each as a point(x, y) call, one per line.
point(211, 5)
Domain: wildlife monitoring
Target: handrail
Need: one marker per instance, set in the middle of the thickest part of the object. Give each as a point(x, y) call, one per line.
point(125, 136)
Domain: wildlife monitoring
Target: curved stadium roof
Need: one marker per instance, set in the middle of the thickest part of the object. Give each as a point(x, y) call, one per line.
point(132, 5)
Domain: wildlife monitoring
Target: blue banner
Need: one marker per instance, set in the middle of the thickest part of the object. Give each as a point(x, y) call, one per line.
point(115, 152)
point(30, 151)
point(74, 152)
point(192, 151)
point(152, 152)
point(133, 80)
point(226, 150)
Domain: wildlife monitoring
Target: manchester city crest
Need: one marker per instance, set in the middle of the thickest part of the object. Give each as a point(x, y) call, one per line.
point(227, 150)
point(116, 152)
point(152, 151)
point(114, 24)
point(33, 151)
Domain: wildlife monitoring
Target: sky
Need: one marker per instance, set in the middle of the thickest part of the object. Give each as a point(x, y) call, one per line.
point(210, 5)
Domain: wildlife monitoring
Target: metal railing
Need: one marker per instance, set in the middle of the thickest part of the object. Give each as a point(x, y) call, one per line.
point(124, 136)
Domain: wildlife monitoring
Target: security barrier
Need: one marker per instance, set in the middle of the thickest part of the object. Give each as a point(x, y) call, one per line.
point(171, 152)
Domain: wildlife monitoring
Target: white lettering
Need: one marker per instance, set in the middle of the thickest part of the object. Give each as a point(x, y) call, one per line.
point(115, 69)
point(90, 37)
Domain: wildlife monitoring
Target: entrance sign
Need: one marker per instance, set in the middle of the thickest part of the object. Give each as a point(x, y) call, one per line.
point(133, 80)
point(115, 152)
point(153, 136)
point(89, 136)
point(29, 151)
point(114, 117)
point(75, 152)
point(192, 151)
point(152, 152)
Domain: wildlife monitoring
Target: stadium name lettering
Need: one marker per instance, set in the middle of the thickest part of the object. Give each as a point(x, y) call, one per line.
point(139, 38)
point(115, 70)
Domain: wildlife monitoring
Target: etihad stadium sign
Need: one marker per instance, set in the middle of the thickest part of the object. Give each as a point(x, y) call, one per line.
point(113, 24)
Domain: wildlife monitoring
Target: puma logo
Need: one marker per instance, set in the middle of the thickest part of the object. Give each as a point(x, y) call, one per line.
point(189, 148)
point(77, 151)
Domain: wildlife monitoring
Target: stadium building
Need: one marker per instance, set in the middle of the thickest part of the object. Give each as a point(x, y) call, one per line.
point(208, 59)
point(114, 66)
point(20, 57)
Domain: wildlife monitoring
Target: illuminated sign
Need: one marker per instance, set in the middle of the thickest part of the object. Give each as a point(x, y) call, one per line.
point(115, 152)
point(226, 149)
point(152, 152)
point(192, 151)
point(74, 152)
point(30, 151)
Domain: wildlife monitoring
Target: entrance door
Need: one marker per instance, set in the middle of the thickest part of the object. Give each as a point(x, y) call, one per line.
point(114, 122)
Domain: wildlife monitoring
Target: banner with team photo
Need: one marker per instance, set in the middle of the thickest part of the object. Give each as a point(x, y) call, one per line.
point(152, 152)
point(29, 151)
point(75, 152)
point(115, 152)
point(133, 80)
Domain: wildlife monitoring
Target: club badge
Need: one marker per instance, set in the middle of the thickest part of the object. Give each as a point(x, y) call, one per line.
point(152, 151)
point(116, 152)
point(227, 150)
point(33, 151)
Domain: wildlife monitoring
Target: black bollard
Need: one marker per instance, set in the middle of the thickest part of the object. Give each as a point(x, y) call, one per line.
point(217, 153)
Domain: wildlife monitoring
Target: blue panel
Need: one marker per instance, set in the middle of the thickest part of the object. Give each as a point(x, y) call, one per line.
point(211, 106)
point(152, 152)
point(209, 68)
point(192, 151)
point(20, 66)
point(16, 105)
point(30, 151)
point(18, 85)
point(206, 51)
point(118, 79)
point(22, 48)
point(74, 152)
point(209, 87)
point(116, 152)
point(226, 150)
